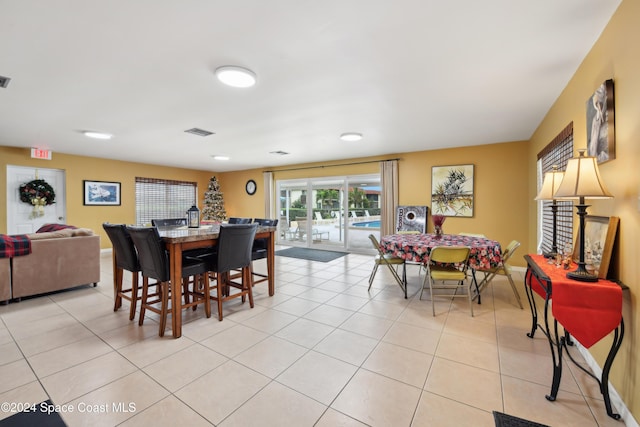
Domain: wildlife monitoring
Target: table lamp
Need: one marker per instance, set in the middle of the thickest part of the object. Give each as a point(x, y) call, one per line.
point(582, 180)
point(550, 185)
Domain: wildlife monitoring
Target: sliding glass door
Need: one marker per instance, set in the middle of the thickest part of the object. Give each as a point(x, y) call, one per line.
point(329, 213)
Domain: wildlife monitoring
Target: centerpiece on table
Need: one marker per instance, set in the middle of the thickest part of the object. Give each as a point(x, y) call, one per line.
point(438, 220)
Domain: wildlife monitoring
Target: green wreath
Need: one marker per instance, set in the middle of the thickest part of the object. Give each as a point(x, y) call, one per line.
point(38, 190)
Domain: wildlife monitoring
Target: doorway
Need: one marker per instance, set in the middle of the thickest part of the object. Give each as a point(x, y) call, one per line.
point(23, 218)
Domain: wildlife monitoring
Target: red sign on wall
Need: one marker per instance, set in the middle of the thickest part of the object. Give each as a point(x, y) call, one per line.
point(38, 153)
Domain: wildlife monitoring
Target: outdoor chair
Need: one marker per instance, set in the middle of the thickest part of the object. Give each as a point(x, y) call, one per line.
point(390, 261)
point(448, 264)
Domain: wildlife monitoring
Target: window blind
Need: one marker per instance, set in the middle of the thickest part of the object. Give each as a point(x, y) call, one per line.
point(557, 152)
point(162, 198)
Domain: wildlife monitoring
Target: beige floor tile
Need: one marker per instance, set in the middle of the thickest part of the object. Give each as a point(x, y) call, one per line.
point(399, 363)
point(267, 301)
point(146, 352)
point(465, 384)
point(179, 369)
point(317, 295)
point(5, 335)
point(333, 418)
point(236, 310)
point(129, 334)
point(515, 337)
point(347, 346)
point(9, 352)
point(30, 393)
point(202, 327)
point(348, 302)
point(271, 356)
point(291, 289)
point(297, 306)
point(424, 340)
point(377, 400)
point(73, 382)
point(115, 402)
point(600, 413)
point(527, 400)
point(389, 311)
point(329, 315)
point(35, 309)
point(217, 394)
point(469, 351)
point(471, 327)
point(60, 358)
point(318, 376)
point(367, 325)
point(54, 338)
point(438, 411)
point(270, 321)
point(169, 412)
point(276, 405)
point(304, 332)
point(415, 315)
point(15, 374)
point(234, 340)
point(38, 326)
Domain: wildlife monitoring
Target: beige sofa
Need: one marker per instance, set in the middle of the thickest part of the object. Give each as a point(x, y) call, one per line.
point(5, 279)
point(58, 260)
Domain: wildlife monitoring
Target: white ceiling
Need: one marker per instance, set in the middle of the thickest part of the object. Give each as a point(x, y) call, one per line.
point(410, 75)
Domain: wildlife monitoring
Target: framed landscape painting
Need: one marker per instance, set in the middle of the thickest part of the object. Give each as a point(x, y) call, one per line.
point(452, 190)
point(101, 193)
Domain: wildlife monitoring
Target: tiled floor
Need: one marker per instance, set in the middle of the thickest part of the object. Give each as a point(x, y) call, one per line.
point(323, 351)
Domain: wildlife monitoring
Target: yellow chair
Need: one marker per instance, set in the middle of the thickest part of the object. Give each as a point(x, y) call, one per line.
point(389, 261)
point(448, 264)
point(503, 269)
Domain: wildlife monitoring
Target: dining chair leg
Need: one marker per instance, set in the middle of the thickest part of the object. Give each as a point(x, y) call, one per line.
point(134, 295)
point(164, 306)
point(143, 301)
point(373, 275)
point(117, 289)
point(219, 286)
point(246, 283)
point(515, 291)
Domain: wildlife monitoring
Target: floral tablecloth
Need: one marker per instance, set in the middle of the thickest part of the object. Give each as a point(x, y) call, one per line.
point(485, 253)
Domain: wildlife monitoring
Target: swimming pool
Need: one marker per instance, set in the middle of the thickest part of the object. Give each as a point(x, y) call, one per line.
point(367, 224)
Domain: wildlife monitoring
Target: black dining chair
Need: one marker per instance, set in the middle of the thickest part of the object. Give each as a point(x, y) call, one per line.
point(235, 242)
point(259, 249)
point(126, 258)
point(169, 222)
point(154, 262)
point(235, 220)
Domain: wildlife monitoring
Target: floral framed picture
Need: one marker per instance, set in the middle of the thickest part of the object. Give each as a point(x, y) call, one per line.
point(601, 141)
point(452, 192)
point(101, 193)
point(599, 237)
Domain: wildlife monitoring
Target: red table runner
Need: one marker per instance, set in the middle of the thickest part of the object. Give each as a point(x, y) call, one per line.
point(589, 311)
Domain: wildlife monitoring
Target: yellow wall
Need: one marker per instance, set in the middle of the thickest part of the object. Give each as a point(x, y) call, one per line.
point(614, 56)
point(501, 199)
point(79, 168)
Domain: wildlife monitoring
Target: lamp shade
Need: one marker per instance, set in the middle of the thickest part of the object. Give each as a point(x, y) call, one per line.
point(582, 179)
point(550, 185)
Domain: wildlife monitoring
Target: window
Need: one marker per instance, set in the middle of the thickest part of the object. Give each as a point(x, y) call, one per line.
point(558, 153)
point(162, 198)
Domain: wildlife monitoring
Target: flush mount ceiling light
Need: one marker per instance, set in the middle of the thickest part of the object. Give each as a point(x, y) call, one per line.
point(351, 136)
point(97, 135)
point(220, 157)
point(235, 76)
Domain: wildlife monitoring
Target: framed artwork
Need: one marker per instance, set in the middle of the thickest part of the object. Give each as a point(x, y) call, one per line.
point(599, 237)
point(101, 193)
point(452, 190)
point(600, 123)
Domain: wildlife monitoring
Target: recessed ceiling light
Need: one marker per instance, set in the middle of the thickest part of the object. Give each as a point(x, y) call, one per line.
point(220, 157)
point(97, 135)
point(351, 136)
point(234, 76)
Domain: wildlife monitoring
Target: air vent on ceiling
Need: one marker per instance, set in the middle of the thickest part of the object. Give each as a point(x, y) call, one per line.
point(199, 132)
point(279, 153)
point(4, 81)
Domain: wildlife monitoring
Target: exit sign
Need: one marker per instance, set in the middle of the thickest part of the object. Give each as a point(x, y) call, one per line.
point(38, 153)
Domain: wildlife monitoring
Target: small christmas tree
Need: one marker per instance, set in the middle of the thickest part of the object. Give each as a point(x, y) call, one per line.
point(213, 203)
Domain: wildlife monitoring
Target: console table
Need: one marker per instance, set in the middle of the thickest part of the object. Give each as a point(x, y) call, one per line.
point(588, 311)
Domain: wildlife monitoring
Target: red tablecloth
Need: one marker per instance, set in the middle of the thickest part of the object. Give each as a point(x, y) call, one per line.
point(485, 253)
point(588, 310)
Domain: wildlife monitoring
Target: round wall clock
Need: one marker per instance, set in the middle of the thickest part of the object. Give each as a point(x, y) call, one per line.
point(251, 187)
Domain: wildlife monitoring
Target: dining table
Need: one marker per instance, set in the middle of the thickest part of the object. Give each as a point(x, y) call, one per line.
point(180, 239)
point(485, 253)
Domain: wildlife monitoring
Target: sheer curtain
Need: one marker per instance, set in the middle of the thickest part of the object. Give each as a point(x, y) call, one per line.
point(389, 181)
point(267, 178)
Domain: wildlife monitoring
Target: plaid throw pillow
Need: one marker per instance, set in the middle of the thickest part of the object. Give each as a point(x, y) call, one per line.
point(54, 227)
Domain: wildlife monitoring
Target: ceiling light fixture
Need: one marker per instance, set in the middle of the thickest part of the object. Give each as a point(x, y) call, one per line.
point(235, 76)
point(351, 136)
point(220, 157)
point(97, 135)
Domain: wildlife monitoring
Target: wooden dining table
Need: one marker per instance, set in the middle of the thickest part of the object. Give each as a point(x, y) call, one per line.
point(179, 239)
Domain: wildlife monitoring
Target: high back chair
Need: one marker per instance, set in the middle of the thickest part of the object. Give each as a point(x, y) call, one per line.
point(154, 262)
point(390, 261)
point(504, 269)
point(125, 258)
point(259, 249)
point(169, 222)
point(235, 220)
point(448, 264)
point(235, 243)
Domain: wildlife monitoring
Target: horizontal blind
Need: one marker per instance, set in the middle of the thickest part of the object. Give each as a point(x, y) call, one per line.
point(557, 152)
point(163, 198)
